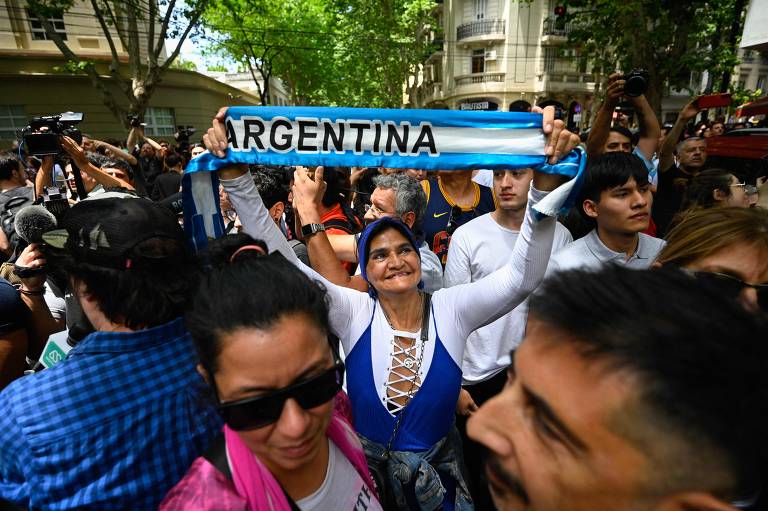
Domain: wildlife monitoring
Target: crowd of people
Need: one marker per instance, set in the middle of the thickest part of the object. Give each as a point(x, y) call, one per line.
point(387, 339)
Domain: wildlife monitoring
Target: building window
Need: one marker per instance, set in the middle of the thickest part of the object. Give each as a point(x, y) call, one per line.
point(761, 82)
point(160, 122)
point(480, 7)
point(39, 33)
point(13, 119)
point(549, 59)
point(478, 61)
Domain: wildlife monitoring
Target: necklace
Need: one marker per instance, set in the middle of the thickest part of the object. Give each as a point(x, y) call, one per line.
point(405, 364)
point(408, 352)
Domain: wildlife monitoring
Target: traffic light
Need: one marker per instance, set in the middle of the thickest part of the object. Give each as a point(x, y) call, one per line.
point(560, 11)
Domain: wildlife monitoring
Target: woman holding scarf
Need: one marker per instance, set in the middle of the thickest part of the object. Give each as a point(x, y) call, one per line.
point(404, 347)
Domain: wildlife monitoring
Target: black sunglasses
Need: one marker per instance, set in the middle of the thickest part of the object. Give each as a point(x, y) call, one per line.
point(733, 285)
point(259, 411)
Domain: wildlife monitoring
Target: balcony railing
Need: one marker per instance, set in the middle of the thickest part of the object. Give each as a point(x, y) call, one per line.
point(556, 28)
point(478, 28)
point(479, 78)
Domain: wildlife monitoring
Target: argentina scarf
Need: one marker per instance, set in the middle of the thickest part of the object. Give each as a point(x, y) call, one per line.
point(367, 137)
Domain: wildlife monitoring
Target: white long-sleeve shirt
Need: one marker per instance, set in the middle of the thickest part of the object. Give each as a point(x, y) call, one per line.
point(457, 311)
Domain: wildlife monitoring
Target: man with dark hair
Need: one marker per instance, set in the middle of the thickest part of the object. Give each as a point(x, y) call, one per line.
point(479, 248)
point(616, 198)
point(632, 391)
point(270, 183)
point(116, 424)
point(13, 185)
point(169, 182)
point(13, 179)
point(604, 138)
point(674, 177)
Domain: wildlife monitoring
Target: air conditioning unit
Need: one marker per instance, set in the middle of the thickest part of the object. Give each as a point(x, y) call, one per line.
point(490, 55)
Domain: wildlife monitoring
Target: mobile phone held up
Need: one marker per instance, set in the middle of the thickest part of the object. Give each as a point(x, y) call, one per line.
point(713, 101)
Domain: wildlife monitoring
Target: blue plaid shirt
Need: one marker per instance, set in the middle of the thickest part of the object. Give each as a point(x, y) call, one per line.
point(114, 426)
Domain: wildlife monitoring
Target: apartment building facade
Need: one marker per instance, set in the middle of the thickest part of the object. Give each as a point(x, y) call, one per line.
point(33, 81)
point(510, 55)
point(504, 55)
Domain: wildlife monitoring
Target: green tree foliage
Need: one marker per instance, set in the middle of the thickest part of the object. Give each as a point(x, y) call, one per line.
point(351, 53)
point(381, 44)
point(269, 38)
point(139, 28)
point(668, 38)
point(180, 63)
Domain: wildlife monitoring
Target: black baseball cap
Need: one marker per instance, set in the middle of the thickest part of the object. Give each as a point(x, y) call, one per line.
point(106, 232)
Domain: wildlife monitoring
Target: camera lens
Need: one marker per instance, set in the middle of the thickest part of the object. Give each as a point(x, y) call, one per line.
point(636, 83)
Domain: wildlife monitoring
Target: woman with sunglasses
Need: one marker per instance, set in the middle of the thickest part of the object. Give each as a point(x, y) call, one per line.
point(727, 245)
point(286, 443)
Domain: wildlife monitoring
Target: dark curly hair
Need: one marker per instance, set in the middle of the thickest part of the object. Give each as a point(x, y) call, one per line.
point(251, 290)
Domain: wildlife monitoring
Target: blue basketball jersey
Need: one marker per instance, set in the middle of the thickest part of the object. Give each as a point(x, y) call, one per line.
point(438, 214)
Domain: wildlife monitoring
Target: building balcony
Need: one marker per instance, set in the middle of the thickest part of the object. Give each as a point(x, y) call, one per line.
point(566, 82)
point(479, 78)
point(555, 31)
point(434, 92)
point(435, 50)
point(483, 30)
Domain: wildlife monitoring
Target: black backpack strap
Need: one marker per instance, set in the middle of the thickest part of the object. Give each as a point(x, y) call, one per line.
point(217, 456)
point(338, 223)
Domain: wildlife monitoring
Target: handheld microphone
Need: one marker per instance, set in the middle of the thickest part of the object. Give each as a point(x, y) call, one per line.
point(60, 344)
point(32, 222)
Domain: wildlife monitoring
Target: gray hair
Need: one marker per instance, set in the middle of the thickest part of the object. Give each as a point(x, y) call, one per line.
point(681, 144)
point(409, 195)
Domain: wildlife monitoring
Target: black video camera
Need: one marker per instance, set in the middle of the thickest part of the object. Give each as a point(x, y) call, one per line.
point(636, 82)
point(182, 136)
point(41, 137)
point(134, 121)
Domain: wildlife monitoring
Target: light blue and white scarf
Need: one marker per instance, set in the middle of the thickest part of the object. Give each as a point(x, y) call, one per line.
point(368, 137)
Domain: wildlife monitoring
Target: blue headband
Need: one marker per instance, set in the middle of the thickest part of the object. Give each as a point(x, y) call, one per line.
point(375, 228)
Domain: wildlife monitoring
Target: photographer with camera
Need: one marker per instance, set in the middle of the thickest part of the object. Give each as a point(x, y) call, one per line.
point(14, 195)
point(108, 148)
point(95, 180)
point(603, 138)
point(150, 156)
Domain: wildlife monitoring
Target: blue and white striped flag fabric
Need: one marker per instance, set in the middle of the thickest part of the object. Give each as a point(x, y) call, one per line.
point(361, 137)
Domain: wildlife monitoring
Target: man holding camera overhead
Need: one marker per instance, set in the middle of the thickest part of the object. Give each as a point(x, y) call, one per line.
point(604, 138)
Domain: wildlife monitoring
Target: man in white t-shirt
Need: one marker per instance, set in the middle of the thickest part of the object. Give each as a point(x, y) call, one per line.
point(478, 248)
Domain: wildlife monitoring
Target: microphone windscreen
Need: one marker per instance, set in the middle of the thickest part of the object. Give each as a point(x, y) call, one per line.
point(32, 222)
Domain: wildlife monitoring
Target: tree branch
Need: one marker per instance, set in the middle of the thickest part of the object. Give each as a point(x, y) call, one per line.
point(90, 70)
point(151, 37)
point(164, 29)
point(192, 22)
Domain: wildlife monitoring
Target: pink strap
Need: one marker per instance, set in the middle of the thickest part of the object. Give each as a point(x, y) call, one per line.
point(257, 485)
point(247, 247)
